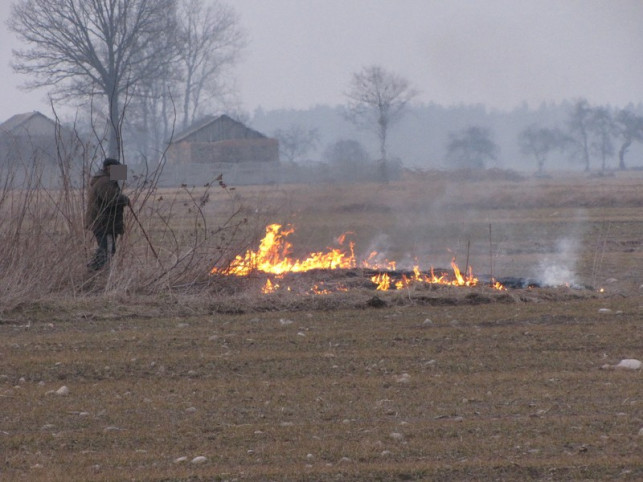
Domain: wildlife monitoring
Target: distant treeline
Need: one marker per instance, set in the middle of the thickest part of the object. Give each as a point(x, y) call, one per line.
point(421, 138)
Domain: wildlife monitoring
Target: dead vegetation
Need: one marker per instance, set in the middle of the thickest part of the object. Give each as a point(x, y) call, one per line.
point(155, 370)
point(175, 236)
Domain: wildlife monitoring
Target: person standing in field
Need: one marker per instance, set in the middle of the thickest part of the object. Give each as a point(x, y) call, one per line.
point(104, 216)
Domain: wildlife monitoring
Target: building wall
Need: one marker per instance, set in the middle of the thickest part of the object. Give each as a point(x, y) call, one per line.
point(20, 149)
point(32, 139)
point(223, 147)
point(229, 151)
point(235, 151)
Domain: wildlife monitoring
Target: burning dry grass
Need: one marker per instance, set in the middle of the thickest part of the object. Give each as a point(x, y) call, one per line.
point(588, 229)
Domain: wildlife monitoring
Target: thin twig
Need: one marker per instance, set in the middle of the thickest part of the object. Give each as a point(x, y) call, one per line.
point(490, 257)
point(145, 234)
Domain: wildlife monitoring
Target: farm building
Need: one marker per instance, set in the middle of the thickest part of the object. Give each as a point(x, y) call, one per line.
point(222, 145)
point(25, 137)
point(32, 140)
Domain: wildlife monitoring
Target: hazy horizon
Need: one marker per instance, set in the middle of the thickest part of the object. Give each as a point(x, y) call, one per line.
point(499, 53)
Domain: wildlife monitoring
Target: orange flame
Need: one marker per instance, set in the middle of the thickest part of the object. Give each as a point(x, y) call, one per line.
point(269, 287)
point(382, 280)
point(273, 257)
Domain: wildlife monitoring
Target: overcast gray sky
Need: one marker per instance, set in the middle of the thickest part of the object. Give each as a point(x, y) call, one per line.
point(497, 52)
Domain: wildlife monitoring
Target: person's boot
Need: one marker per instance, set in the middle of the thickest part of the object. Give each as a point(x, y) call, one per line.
point(98, 261)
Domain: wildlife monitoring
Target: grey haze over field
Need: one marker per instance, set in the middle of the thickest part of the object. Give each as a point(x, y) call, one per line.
point(500, 53)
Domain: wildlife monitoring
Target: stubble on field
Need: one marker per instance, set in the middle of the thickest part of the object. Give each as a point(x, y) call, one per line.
point(511, 391)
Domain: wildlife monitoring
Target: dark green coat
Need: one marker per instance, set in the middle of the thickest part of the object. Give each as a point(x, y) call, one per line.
point(105, 204)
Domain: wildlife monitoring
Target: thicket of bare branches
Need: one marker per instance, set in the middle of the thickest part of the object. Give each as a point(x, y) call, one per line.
point(173, 237)
point(140, 58)
point(83, 48)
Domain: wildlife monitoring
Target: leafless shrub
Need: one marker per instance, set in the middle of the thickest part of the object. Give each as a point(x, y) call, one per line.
point(173, 237)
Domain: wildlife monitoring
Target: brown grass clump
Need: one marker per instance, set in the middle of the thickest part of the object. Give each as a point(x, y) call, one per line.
point(38, 231)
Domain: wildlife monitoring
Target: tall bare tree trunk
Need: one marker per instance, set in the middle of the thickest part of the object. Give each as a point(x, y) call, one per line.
point(621, 154)
point(383, 131)
point(114, 139)
point(186, 99)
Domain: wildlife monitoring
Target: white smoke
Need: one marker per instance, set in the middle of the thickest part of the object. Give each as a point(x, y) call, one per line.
point(559, 267)
point(379, 245)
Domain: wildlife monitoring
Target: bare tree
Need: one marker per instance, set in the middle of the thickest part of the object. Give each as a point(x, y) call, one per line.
point(86, 47)
point(602, 130)
point(471, 148)
point(539, 142)
point(376, 100)
point(209, 41)
point(629, 128)
point(152, 115)
point(579, 126)
point(295, 142)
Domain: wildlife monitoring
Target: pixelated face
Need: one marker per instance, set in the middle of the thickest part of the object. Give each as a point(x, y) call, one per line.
point(118, 172)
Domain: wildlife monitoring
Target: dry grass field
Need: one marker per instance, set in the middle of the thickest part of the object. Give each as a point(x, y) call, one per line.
point(221, 382)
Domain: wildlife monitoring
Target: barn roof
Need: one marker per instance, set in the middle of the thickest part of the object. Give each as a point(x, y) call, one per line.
point(209, 121)
point(22, 121)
